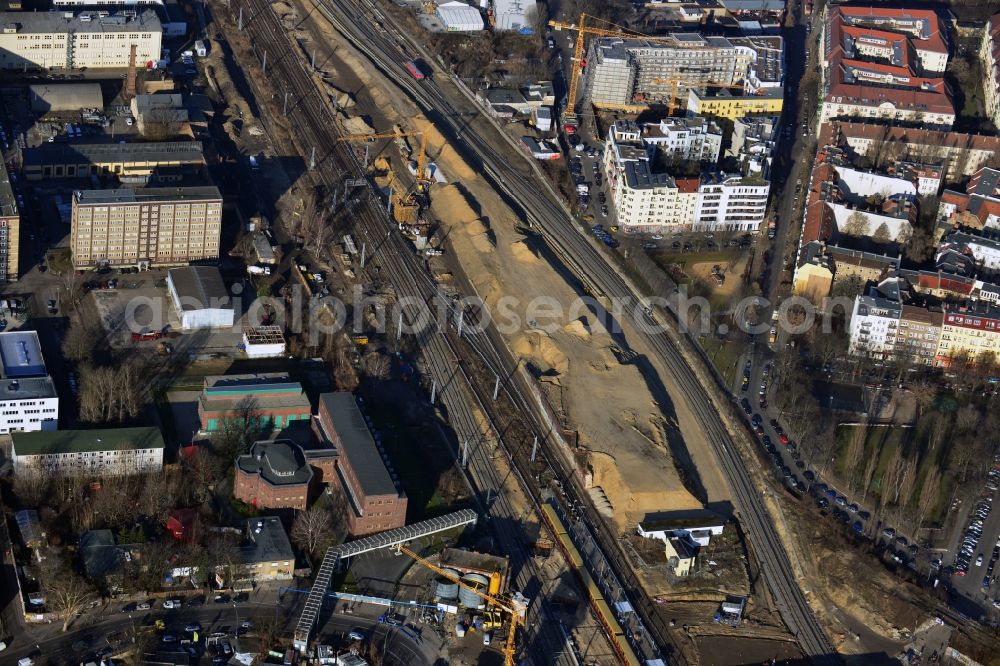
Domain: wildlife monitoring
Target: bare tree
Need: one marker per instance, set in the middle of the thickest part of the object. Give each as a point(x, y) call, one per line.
point(66, 592)
point(855, 451)
point(312, 530)
point(377, 365)
point(923, 396)
point(928, 493)
point(31, 485)
point(857, 224)
point(882, 234)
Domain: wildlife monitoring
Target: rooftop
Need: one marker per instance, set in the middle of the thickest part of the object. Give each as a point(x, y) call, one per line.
point(100, 554)
point(680, 520)
point(146, 195)
point(8, 204)
point(199, 287)
point(180, 152)
point(266, 541)
point(357, 444)
point(226, 392)
point(21, 355)
point(85, 441)
point(87, 22)
point(279, 462)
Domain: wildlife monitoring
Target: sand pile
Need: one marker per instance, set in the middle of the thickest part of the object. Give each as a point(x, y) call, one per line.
point(481, 236)
point(521, 252)
point(659, 489)
point(449, 205)
point(357, 125)
point(542, 352)
point(444, 153)
point(342, 98)
point(384, 175)
point(579, 327)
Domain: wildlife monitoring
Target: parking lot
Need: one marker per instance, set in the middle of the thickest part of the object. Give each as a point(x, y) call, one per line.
point(978, 550)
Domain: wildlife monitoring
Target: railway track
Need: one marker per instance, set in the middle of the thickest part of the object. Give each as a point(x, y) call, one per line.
point(540, 207)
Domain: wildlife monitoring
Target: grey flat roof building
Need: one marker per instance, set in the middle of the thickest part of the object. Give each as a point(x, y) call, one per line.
point(266, 542)
point(83, 22)
point(279, 462)
point(46, 97)
point(357, 445)
point(180, 152)
point(201, 284)
point(146, 195)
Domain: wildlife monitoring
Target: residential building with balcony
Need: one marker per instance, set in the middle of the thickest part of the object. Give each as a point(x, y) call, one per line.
point(989, 56)
point(10, 229)
point(969, 335)
point(733, 104)
point(89, 453)
point(694, 139)
point(874, 325)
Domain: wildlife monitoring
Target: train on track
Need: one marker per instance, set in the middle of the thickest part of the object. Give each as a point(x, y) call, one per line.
point(413, 67)
point(600, 606)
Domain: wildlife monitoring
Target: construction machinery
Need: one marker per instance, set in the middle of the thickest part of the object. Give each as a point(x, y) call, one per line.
point(514, 606)
point(405, 204)
point(580, 63)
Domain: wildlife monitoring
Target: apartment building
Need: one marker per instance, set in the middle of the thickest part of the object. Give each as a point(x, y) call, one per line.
point(970, 334)
point(376, 501)
point(959, 153)
point(101, 452)
point(753, 143)
point(145, 227)
point(695, 139)
point(918, 334)
point(85, 40)
point(733, 104)
point(885, 63)
point(126, 163)
point(989, 56)
point(984, 251)
point(874, 324)
point(28, 398)
point(649, 201)
point(10, 228)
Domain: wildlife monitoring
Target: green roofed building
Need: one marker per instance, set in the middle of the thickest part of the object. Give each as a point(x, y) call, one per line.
point(271, 399)
point(105, 451)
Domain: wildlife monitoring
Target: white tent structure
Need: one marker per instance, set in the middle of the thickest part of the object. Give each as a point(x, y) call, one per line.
point(460, 17)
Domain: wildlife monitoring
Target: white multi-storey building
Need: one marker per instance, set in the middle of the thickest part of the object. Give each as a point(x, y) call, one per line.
point(109, 451)
point(697, 139)
point(28, 399)
point(91, 40)
point(731, 203)
point(874, 325)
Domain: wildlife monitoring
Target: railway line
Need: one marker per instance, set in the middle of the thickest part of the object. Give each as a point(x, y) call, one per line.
point(540, 207)
point(397, 263)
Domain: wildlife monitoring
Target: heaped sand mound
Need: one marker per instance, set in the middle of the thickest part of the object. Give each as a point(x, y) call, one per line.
point(443, 153)
point(521, 252)
point(578, 327)
point(449, 205)
point(636, 487)
point(539, 349)
point(357, 125)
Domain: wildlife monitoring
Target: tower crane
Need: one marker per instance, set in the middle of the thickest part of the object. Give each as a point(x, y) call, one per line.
point(579, 63)
point(514, 606)
point(405, 205)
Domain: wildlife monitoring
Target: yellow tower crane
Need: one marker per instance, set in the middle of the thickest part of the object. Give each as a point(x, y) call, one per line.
point(404, 206)
point(579, 63)
point(514, 608)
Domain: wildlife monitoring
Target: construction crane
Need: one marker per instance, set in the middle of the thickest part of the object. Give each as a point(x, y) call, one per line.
point(579, 63)
point(516, 607)
point(405, 205)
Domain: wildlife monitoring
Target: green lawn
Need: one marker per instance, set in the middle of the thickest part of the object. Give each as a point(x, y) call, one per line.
point(725, 356)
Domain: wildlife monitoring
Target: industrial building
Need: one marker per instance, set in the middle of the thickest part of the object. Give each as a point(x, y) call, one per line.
point(28, 398)
point(126, 163)
point(200, 297)
point(376, 502)
point(159, 226)
point(101, 452)
point(263, 341)
point(165, 115)
point(10, 228)
point(58, 97)
point(273, 398)
point(459, 17)
point(91, 40)
point(662, 71)
point(273, 475)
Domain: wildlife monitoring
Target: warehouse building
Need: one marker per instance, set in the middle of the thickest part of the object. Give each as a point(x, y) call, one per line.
point(376, 503)
point(58, 97)
point(276, 401)
point(10, 228)
point(200, 297)
point(127, 163)
point(459, 17)
point(88, 40)
point(28, 398)
point(516, 15)
point(100, 452)
point(158, 226)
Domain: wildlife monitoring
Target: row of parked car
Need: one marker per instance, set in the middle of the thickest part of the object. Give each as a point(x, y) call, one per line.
point(970, 541)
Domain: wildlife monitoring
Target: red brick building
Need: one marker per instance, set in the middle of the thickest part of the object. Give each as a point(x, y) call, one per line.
point(276, 401)
point(274, 475)
point(375, 501)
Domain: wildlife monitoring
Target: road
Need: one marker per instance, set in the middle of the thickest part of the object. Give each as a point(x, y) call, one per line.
point(392, 258)
point(534, 200)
